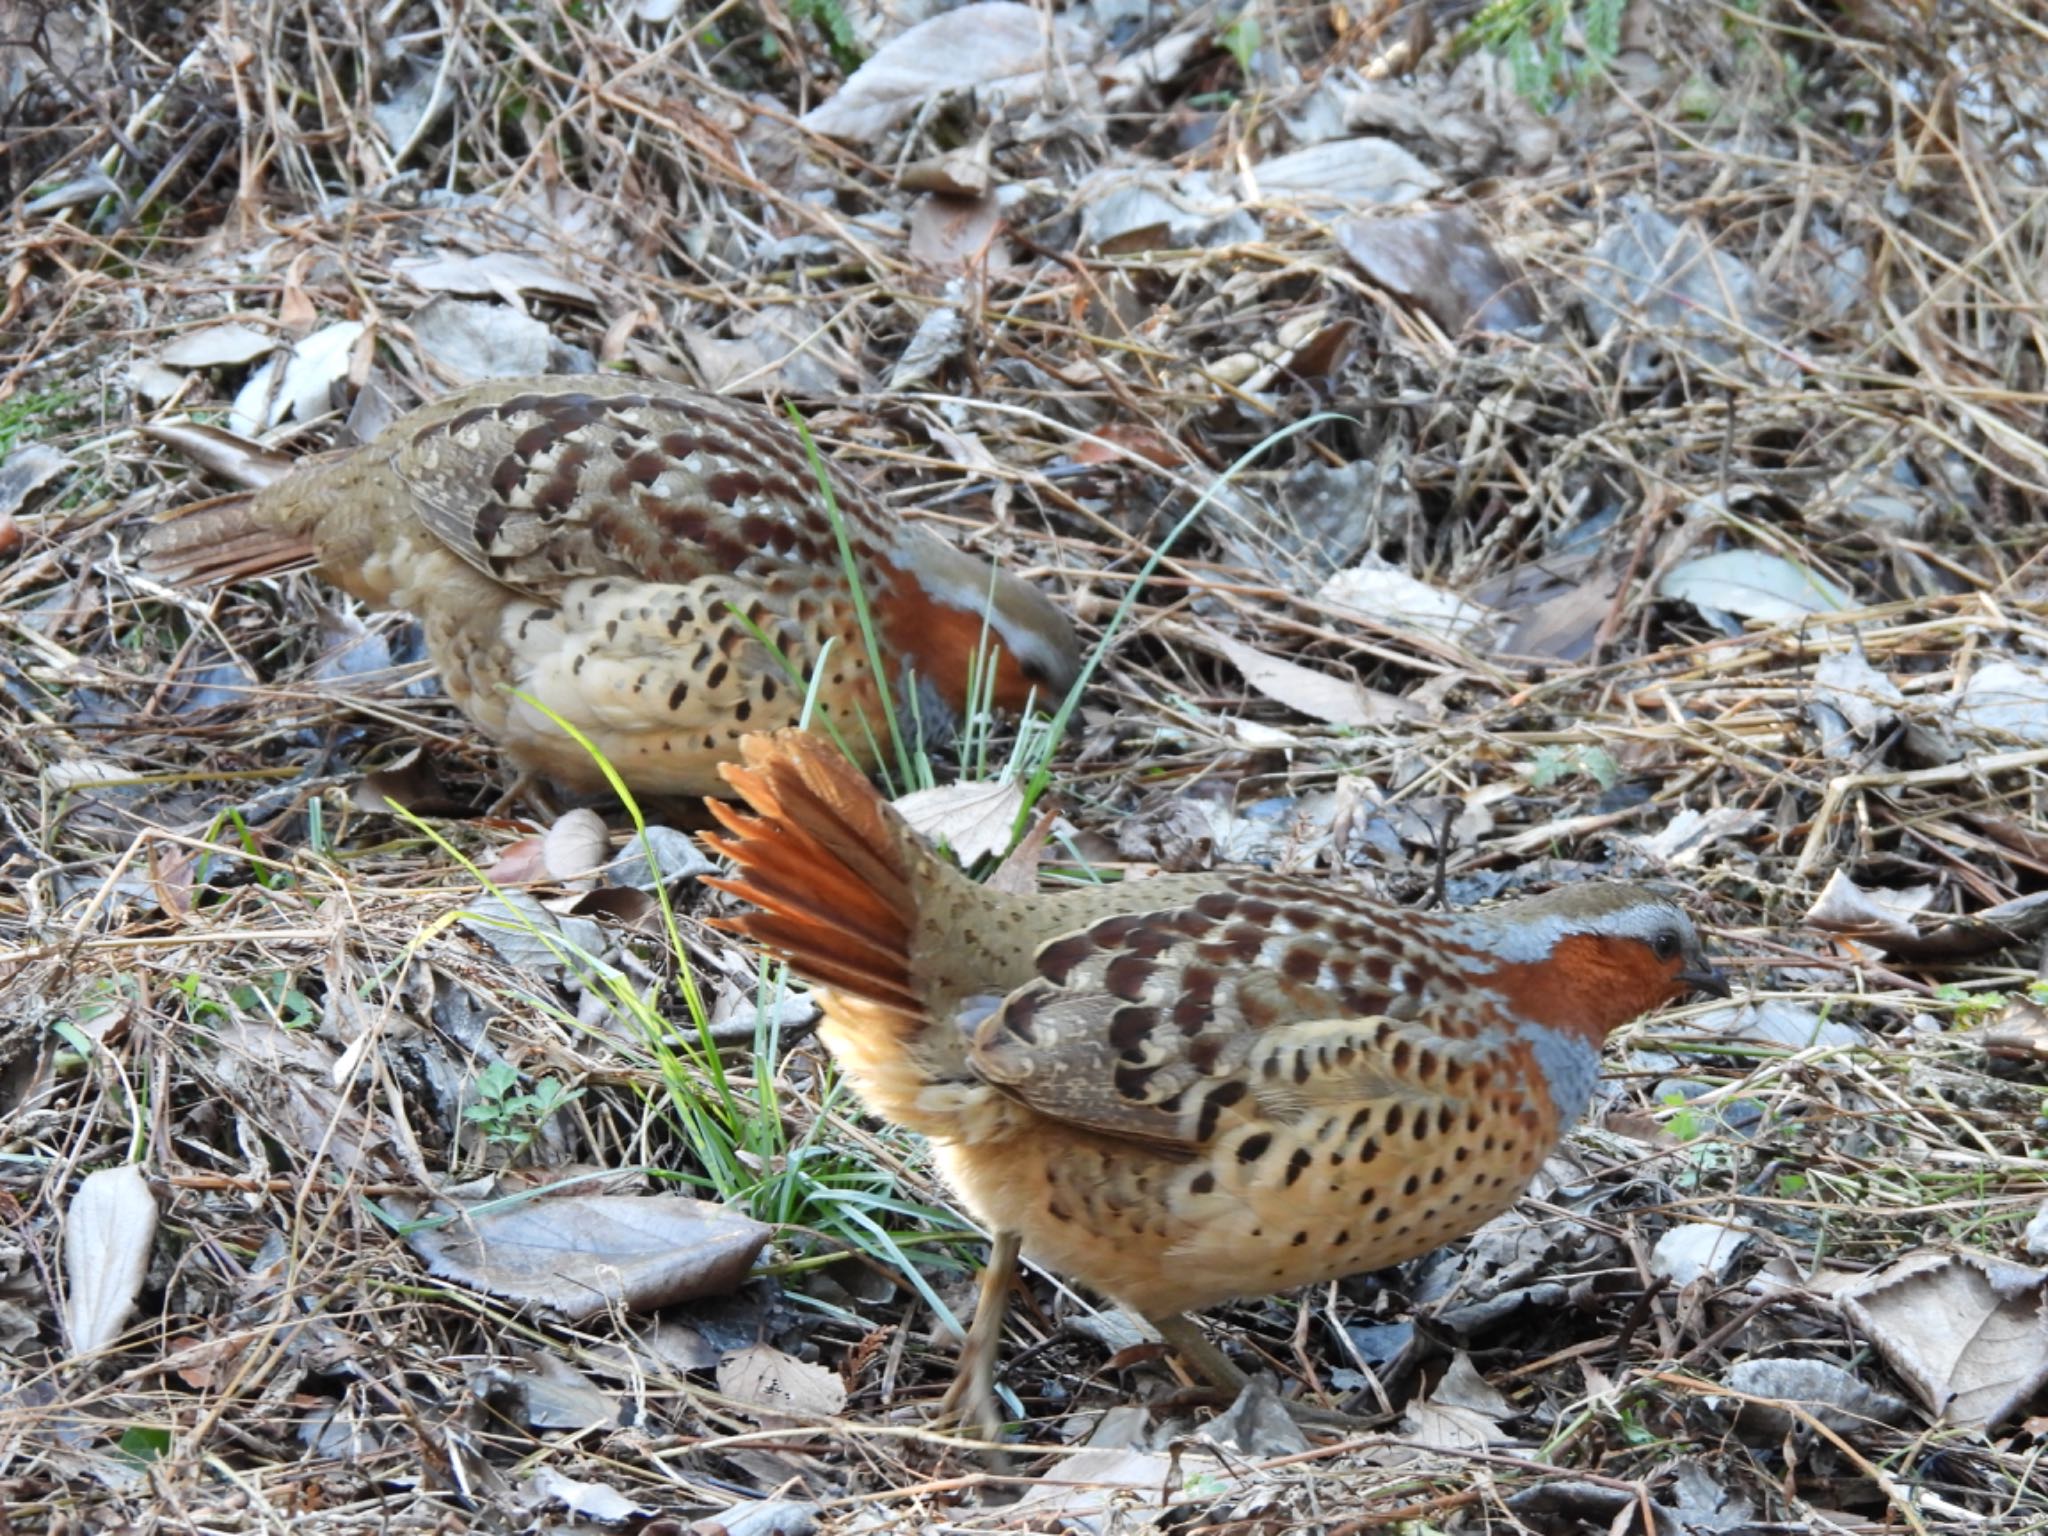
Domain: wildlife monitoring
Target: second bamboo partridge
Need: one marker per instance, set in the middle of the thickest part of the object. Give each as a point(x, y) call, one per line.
point(632, 557)
point(1191, 1088)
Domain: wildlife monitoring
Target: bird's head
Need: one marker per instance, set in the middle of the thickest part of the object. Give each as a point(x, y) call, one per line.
point(936, 621)
point(1588, 958)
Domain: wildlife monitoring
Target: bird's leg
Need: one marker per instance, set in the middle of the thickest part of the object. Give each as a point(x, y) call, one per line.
point(971, 1400)
point(1185, 1337)
point(528, 791)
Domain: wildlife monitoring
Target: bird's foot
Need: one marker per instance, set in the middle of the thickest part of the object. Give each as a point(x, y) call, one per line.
point(1229, 1383)
point(970, 1402)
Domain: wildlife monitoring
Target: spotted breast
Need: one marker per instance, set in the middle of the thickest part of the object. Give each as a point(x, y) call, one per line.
point(652, 565)
point(1191, 1088)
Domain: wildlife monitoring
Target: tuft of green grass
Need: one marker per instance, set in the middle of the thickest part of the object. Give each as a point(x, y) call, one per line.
point(1038, 739)
point(745, 1153)
point(22, 416)
point(1552, 47)
point(913, 768)
point(877, 666)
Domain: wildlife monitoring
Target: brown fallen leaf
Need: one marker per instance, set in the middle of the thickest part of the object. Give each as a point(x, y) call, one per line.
point(1018, 873)
point(1442, 264)
point(973, 819)
point(583, 1255)
point(1964, 1330)
point(2020, 1033)
point(223, 454)
point(1148, 443)
point(1889, 921)
point(1319, 695)
point(949, 231)
point(778, 1387)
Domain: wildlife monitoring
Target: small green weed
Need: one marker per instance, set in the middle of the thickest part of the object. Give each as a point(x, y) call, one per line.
point(1706, 1151)
point(99, 997)
point(511, 1117)
point(1634, 1431)
point(274, 996)
point(830, 17)
point(140, 1445)
point(201, 1011)
point(266, 874)
point(1240, 38)
point(1553, 764)
point(1971, 1010)
point(1685, 1120)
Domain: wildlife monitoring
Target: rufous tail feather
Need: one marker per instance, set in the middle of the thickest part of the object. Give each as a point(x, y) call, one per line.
point(225, 539)
point(829, 866)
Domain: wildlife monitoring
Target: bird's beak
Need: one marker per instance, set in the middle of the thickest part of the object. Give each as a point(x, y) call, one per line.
point(1705, 978)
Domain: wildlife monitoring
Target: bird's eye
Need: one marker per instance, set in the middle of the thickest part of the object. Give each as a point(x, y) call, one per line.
point(1665, 945)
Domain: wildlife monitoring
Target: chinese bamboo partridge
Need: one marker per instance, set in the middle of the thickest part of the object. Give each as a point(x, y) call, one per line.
point(626, 554)
point(1195, 1087)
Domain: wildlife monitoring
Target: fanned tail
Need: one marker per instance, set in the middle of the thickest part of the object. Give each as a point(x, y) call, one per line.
point(225, 539)
point(832, 870)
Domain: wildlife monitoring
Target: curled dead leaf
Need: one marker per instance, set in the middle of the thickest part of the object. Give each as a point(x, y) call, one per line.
point(109, 1229)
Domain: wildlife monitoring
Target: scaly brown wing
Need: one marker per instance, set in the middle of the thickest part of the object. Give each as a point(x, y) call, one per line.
point(1270, 1002)
point(537, 485)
